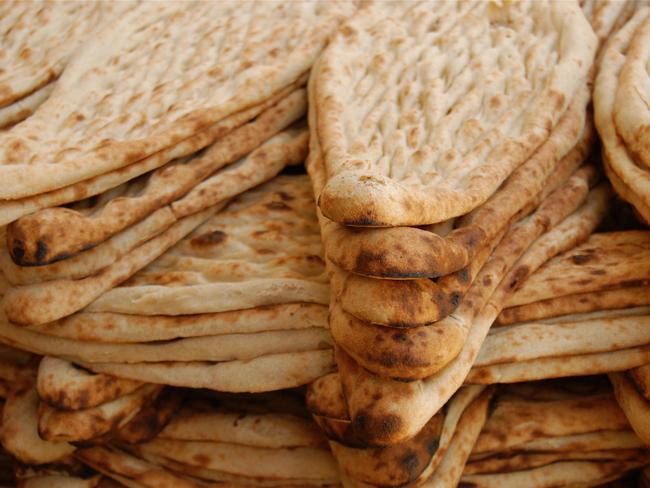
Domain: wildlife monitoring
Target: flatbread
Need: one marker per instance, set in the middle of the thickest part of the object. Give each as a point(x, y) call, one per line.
point(11, 210)
point(82, 425)
point(381, 408)
point(23, 108)
point(632, 115)
point(407, 303)
point(605, 260)
point(434, 108)
point(416, 459)
point(37, 239)
point(635, 406)
point(19, 431)
point(516, 421)
point(433, 252)
point(116, 328)
point(574, 474)
point(64, 386)
point(450, 469)
point(562, 366)
point(577, 303)
point(265, 373)
point(52, 300)
point(264, 249)
point(109, 119)
point(220, 348)
point(213, 475)
point(38, 39)
point(631, 181)
point(269, 430)
point(533, 340)
point(517, 461)
point(150, 420)
point(419, 352)
point(297, 462)
point(130, 471)
point(93, 260)
point(605, 15)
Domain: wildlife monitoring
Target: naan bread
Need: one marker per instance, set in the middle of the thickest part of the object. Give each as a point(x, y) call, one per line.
point(64, 386)
point(384, 410)
point(633, 403)
point(19, 432)
point(406, 132)
point(85, 424)
point(605, 260)
point(264, 249)
point(38, 239)
point(438, 250)
point(38, 39)
point(624, 165)
point(11, 210)
point(121, 99)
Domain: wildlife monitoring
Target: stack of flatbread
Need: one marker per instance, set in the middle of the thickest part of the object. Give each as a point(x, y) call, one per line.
point(162, 115)
point(632, 390)
point(60, 404)
point(622, 114)
point(584, 312)
point(559, 433)
point(434, 457)
point(38, 39)
point(433, 207)
point(240, 304)
point(253, 440)
point(157, 244)
point(142, 436)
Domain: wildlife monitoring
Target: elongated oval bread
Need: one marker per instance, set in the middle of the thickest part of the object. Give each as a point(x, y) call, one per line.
point(425, 108)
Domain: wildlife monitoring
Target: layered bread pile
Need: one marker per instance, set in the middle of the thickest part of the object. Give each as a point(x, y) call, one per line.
point(555, 433)
point(622, 113)
point(454, 294)
point(240, 304)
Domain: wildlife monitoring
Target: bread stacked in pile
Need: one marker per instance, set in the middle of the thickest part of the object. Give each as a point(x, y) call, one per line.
point(171, 279)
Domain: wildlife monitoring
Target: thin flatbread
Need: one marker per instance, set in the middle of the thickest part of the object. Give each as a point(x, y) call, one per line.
point(265, 373)
point(148, 103)
point(635, 406)
point(37, 239)
point(630, 180)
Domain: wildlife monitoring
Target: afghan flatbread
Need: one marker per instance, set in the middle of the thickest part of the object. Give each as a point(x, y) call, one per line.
point(264, 249)
point(65, 386)
point(38, 239)
point(433, 252)
point(265, 373)
point(51, 300)
point(39, 38)
point(114, 328)
point(635, 406)
point(384, 410)
point(82, 425)
point(405, 133)
point(110, 118)
point(11, 210)
point(19, 431)
point(605, 260)
point(629, 178)
point(562, 366)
